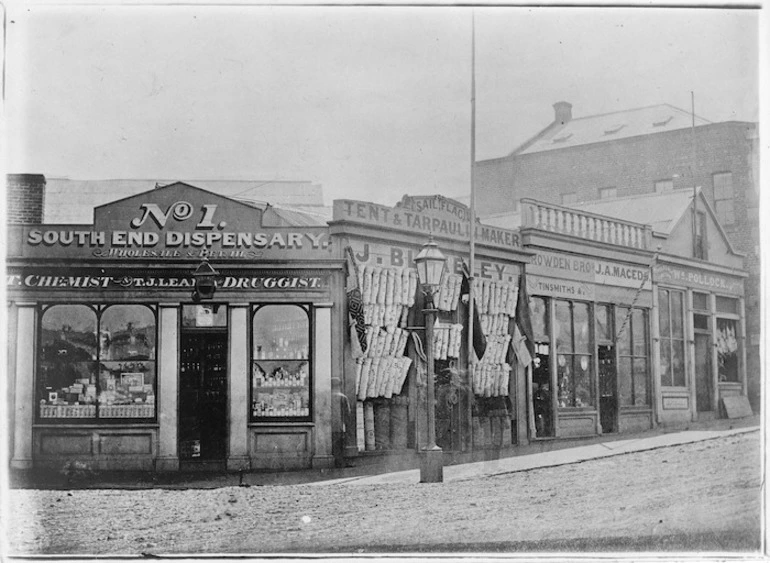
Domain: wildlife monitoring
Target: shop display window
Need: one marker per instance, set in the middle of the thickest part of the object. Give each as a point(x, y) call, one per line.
point(205, 315)
point(603, 314)
point(97, 363)
point(281, 356)
point(574, 364)
point(671, 320)
point(727, 350)
point(632, 342)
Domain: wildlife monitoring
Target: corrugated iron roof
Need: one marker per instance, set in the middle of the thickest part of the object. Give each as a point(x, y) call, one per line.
point(71, 201)
point(610, 127)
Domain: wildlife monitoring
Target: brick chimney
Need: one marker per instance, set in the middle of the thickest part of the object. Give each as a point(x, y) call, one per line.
point(25, 198)
point(562, 112)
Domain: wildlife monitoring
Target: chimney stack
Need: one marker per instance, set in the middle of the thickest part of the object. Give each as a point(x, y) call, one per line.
point(562, 112)
point(25, 198)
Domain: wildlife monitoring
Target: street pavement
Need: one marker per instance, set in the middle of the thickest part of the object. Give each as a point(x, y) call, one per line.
point(545, 459)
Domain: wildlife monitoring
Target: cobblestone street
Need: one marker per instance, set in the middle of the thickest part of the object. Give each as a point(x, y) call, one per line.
point(696, 497)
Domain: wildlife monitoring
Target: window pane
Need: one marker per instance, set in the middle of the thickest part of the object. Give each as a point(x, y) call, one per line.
point(539, 318)
point(563, 328)
point(700, 322)
point(640, 382)
point(727, 305)
point(677, 320)
point(663, 310)
point(204, 315)
point(723, 185)
point(127, 332)
point(665, 363)
point(280, 376)
point(624, 324)
point(624, 381)
point(677, 362)
point(584, 388)
point(127, 389)
point(67, 372)
point(564, 377)
point(281, 332)
point(69, 333)
point(603, 322)
point(727, 349)
point(700, 301)
point(581, 327)
point(639, 332)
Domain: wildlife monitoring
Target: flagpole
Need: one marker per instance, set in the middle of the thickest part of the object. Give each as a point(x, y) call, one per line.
point(694, 187)
point(472, 265)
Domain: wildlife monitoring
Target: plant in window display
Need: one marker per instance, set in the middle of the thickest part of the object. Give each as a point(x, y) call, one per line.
point(727, 350)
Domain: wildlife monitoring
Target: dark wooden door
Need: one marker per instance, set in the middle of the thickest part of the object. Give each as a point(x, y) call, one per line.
point(703, 375)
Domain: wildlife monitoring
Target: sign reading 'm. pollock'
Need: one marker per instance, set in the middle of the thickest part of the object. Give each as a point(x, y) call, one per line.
point(49, 279)
point(173, 222)
point(698, 279)
point(425, 218)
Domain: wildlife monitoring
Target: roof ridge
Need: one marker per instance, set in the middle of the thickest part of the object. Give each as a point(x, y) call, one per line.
point(662, 104)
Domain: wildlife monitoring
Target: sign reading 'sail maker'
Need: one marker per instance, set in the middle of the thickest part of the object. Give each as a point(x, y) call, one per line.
point(174, 222)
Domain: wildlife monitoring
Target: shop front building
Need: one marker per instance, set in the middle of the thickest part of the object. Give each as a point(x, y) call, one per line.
point(480, 399)
point(590, 296)
point(180, 330)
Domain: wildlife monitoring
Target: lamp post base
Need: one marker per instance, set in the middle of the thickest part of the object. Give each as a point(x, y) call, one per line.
point(432, 465)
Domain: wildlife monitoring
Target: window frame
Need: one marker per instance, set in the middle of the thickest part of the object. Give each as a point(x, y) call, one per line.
point(98, 309)
point(573, 354)
point(608, 189)
point(308, 309)
point(670, 382)
point(669, 182)
point(634, 357)
point(721, 201)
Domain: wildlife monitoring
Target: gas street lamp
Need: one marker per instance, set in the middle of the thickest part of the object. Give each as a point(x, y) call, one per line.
point(431, 264)
point(205, 278)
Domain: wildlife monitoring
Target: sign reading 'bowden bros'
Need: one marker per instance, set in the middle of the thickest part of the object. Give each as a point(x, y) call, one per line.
point(173, 222)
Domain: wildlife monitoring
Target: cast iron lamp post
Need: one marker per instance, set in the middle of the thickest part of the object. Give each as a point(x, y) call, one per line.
point(431, 264)
point(205, 281)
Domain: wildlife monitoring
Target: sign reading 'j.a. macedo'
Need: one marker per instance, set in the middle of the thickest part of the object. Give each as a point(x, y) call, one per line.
point(173, 222)
point(572, 268)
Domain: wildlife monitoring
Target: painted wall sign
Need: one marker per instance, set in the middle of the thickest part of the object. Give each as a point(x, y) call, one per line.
point(390, 255)
point(174, 222)
point(436, 204)
point(561, 288)
point(424, 222)
point(49, 279)
point(579, 268)
point(699, 279)
point(676, 403)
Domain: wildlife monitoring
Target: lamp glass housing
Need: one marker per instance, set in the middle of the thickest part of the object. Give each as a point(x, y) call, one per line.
point(431, 264)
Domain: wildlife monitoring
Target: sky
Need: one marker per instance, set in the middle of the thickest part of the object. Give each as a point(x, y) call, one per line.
point(371, 102)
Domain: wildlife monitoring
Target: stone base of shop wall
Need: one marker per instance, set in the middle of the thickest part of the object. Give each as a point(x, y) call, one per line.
point(167, 464)
point(238, 463)
point(323, 461)
point(21, 464)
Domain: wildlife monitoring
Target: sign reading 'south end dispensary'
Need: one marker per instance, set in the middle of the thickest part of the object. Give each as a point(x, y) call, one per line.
point(173, 222)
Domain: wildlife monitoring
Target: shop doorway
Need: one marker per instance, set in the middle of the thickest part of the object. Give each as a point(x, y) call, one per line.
point(203, 431)
point(703, 375)
point(542, 403)
point(608, 399)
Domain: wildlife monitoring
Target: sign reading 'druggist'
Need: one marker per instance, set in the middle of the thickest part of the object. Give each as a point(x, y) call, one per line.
point(160, 280)
point(173, 222)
